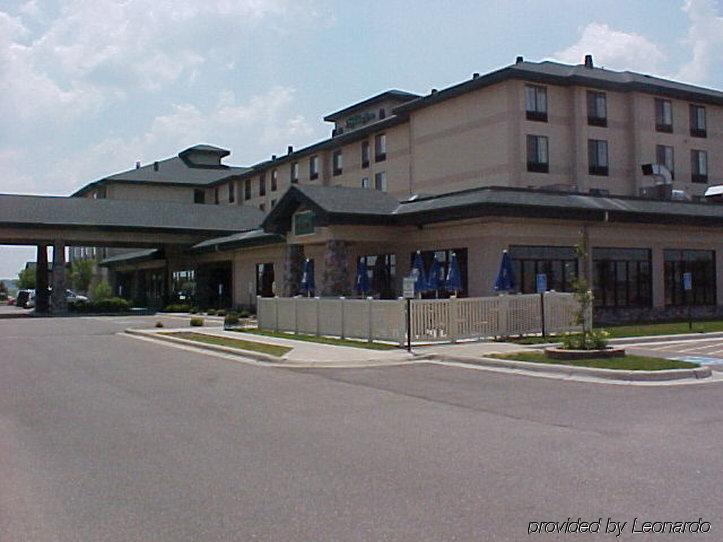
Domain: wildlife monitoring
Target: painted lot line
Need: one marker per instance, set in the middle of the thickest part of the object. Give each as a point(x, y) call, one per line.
point(703, 351)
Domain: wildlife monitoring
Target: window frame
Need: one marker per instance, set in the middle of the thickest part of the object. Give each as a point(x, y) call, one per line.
point(696, 175)
point(695, 129)
point(314, 167)
point(247, 189)
point(274, 179)
point(536, 111)
point(660, 114)
point(262, 184)
point(538, 166)
point(232, 192)
point(380, 181)
point(294, 173)
point(337, 162)
point(594, 118)
point(593, 157)
point(365, 154)
point(663, 162)
point(380, 147)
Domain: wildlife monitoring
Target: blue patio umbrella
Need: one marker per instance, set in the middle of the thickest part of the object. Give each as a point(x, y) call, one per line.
point(505, 280)
point(307, 278)
point(362, 278)
point(434, 280)
point(420, 284)
point(453, 282)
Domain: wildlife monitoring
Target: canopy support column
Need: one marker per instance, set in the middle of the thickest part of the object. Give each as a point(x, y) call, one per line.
point(57, 297)
point(42, 302)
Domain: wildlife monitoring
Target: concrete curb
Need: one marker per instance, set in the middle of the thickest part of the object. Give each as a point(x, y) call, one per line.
point(569, 370)
point(665, 338)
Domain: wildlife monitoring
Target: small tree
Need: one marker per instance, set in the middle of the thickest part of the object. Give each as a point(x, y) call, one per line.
point(100, 291)
point(81, 274)
point(26, 279)
point(3, 291)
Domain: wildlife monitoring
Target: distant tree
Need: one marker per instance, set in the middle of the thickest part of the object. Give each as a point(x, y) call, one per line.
point(81, 274)
point(26, 279)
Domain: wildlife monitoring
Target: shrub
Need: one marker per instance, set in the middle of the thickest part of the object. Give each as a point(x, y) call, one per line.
point(221, 313)
point(211, 312)
point(159, 324)
point(100, 291)
point(231, 319)
point(109, 305)
point(196, 322)
point(591, 340)
point(243, 313)
point(177, 307)
point(193, 310)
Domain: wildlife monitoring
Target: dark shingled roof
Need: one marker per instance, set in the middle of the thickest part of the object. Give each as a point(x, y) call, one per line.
point(337, 205)
point(565, 74)
point(237, 240)
point(132, 257)
point(400, 96)
point(43, 211)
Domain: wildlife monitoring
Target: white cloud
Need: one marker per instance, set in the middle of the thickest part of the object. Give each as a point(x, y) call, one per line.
point(614, 49)
point(705, 40)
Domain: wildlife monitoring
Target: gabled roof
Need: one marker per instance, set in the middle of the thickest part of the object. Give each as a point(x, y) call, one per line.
point(399, 96)
point(337, 205)
point(132, 257)
point(238, 240)
point(566, 74)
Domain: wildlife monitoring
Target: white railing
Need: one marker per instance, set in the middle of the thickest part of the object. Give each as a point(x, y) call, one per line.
point(431, 320)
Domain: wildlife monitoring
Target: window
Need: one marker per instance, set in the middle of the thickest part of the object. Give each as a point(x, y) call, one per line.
point(380, 181)
point(199, 196)
point(597, 157)
point(231, 192)
point(664, 156)
point(622, 277)
point(701, 265)
point(443, 257)
point(699, 166)
point(537, 154)
point(247, 189)
point(365, 154)
point(380, 148)
point(337, 162)
point(597, 112)
point(314, 167)
point(663, 115)
point(560, 264)
point(697, 121)
point(262, 184)
point(381, 271)
point(274, 179)
point(294, 175)
point(536, 103)
point(382, 113)
point(365, 182)
point(304, 223)
point(215, 195)
point(262, 207)
point(265, 279)
point(273, 203)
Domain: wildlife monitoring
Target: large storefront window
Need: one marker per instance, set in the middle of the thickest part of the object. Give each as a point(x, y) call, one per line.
point(622, 277)
point(558, 263)
point(443, 257)
point(265, 279)
point(381, 271)
point(701, 265)
point(184, 285)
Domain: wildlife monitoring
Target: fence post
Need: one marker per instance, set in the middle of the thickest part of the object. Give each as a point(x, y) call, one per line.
point(503, 315)
point(296, 314)
point(403, 327)
point(341, 301)
point(276, 313)
point(371, 323)
point(318, 316)
point(452, 317)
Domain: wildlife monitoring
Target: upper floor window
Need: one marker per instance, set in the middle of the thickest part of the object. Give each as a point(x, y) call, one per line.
point(664, 155)
point(262, 184)
point(274, 179)
point(365, 154)
point(231, 192)
point(697, 121)
point(380, 181)
point(365, 182)
point(597, 156)
point(536, 102)
point(597, 111)
point(215, 195)
point(262, 207)
point(247, 189)
point(314, 167)
point(663, 115)
point(699, 166)
point(273, 203)
point(294, 175)
point(380, 147)
point(382, 113)
point(537, 154)
point(199, 196)
point(337, 162)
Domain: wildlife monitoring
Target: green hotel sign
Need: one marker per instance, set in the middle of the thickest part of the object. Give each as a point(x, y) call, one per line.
point(359, 119)
point(304, 223)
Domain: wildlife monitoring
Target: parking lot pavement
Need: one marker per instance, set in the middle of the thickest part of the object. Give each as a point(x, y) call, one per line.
point(704, 351)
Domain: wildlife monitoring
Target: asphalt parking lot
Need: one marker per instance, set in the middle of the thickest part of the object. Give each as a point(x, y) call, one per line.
point(705, 351)
point(104, 437)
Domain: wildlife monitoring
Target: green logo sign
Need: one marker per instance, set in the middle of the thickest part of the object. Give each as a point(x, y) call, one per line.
point(304, 223)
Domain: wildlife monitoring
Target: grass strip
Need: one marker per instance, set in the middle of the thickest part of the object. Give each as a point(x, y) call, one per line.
point(271, 349)
point(321, 340)
point(628, 363)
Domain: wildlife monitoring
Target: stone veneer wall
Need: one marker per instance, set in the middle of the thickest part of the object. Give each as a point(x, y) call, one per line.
point(608, 316)
point(336, 269)
point(293, 269)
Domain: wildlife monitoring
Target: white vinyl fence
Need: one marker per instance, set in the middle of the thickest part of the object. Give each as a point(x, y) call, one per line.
point(431, 320)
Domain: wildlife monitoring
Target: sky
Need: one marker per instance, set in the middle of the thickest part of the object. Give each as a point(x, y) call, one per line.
point(89, 87)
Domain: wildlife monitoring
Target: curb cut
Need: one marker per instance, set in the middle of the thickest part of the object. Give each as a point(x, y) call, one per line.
point(569, 370)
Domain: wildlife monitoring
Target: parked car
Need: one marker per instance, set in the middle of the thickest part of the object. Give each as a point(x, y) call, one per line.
point(11, 301)
point(72, 297)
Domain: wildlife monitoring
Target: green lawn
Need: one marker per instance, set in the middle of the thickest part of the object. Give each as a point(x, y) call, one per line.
point(633, 330)
point(628, 363)
point(272, 349)
point(321, 340)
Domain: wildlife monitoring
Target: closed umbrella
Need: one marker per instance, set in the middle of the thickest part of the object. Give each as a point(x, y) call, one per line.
point(307, 278)
point(420, 283)
point(362, 279)
point(505, 280)
point(434, 279)
point(453, 282)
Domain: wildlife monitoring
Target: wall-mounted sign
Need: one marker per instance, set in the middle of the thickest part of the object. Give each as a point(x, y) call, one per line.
point(304, 223)
point(408, 287)
point(687, 281)
point(541, 283)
